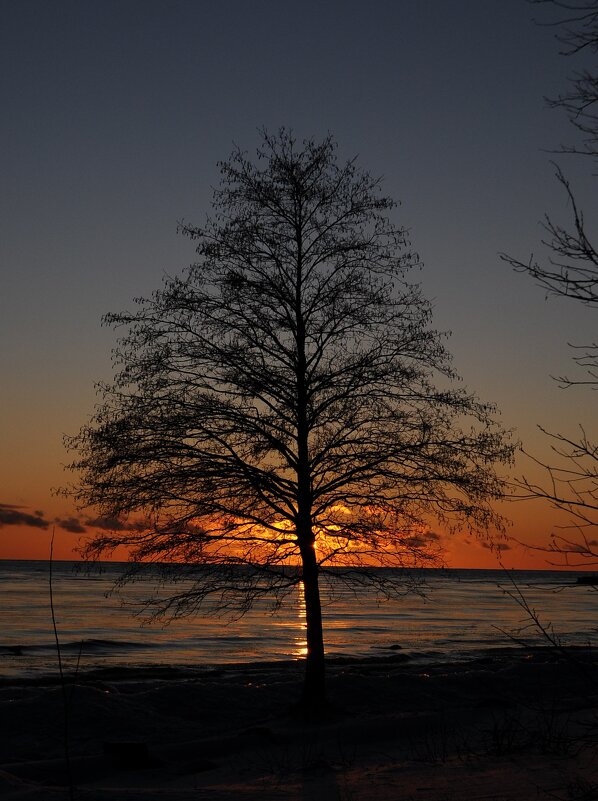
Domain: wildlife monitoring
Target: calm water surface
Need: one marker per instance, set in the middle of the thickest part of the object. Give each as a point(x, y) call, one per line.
point(463, 612)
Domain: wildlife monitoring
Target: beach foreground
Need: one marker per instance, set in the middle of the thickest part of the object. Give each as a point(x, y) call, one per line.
point(515, 724)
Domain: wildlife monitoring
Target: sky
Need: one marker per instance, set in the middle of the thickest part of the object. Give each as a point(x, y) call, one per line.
point(115, 116)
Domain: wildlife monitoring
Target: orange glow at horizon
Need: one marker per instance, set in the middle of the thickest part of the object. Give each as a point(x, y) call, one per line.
point(531, 524)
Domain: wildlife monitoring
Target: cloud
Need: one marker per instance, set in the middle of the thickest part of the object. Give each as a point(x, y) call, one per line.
point(579, 547)
point(113, 524)
point(106, 523)
point(422, 540)
point(497, 546)
point(11, 515)
point(71, 524)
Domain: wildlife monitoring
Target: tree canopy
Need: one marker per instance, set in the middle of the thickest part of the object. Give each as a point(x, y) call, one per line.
point(284, 411)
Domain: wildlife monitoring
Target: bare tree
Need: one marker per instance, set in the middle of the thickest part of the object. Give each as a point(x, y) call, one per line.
point(571, 271)
point(572, 268)
point(283, 412)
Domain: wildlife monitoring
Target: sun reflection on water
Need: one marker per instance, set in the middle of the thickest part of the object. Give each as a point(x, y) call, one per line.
point(300, 639)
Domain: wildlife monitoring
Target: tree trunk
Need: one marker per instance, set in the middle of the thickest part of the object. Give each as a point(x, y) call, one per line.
point(313, 698)
point(314, 689)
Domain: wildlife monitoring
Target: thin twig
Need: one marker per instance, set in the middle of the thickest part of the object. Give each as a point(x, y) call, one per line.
point(65, 703)
point(546, 630)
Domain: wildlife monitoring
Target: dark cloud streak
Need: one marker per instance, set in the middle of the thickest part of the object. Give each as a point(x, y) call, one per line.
point(71, 524)
point(496, 546)
point(11, 515)
point(14, 515)
point(113, 524)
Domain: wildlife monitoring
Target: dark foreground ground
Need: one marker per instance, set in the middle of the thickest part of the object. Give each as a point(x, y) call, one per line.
point(513, 725)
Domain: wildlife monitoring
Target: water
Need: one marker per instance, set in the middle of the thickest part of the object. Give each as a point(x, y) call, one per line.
point(462, 614)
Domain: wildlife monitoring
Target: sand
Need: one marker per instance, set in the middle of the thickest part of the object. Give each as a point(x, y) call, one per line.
point(515, 724)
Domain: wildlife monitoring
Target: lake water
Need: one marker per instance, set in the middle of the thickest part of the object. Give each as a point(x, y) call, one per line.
point(463, 613)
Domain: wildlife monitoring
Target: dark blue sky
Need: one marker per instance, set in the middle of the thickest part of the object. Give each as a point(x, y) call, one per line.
point(115, 114)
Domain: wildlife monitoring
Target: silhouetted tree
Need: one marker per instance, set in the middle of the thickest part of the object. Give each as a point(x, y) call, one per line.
point(572, 268)
point(571, 271)
point(275, 416)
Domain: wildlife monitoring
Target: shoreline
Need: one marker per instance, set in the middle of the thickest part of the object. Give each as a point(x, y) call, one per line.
point(505, 720)
point(386, 655)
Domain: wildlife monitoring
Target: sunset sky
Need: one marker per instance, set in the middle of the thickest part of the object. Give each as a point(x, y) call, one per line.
point(114, 116)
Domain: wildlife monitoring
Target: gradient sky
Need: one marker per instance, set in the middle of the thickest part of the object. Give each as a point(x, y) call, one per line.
point(115, 114)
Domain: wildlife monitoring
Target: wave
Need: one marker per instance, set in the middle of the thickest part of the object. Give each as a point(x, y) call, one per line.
point(85, 646)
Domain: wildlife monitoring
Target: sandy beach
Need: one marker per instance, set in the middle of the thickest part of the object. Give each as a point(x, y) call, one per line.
point(514, 724)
